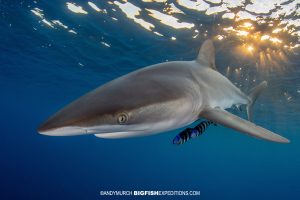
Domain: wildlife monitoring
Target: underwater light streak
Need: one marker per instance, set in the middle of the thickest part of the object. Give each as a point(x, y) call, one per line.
point(198, 5)
point(38, 12)
point(172, 9)
point(132, 12)
point(216, 10)
point(265, 37)
point(72, 31)
point(247, 25)
point(76, 9)
point(94, 6)
point(275, 40)
point(228, 16)
point(220, 37)
point(47, 23)
point(169, 20)
point(57, 22)
point(277, 30)
point(157, 33)
point(242, 33)
point(105, 44)
point(158, 1)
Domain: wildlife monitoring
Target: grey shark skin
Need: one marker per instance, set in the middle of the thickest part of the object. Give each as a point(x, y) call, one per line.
point(159, 98)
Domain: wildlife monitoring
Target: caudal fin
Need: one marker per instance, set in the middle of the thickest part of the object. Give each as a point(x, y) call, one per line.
point(254, 93)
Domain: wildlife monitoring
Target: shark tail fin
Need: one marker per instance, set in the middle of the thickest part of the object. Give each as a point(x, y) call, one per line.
point(253, 94)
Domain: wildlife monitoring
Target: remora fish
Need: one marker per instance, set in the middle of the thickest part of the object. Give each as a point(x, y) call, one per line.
point(159, 98)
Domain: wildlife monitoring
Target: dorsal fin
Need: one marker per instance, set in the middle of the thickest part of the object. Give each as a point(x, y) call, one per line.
point(206, 54)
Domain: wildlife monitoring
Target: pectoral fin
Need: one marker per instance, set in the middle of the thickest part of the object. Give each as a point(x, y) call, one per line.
point(227, 119)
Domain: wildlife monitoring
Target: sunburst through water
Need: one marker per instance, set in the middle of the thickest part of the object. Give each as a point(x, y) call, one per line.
point(267, 42)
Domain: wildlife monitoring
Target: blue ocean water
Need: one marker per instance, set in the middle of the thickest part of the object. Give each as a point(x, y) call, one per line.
point(44, 68)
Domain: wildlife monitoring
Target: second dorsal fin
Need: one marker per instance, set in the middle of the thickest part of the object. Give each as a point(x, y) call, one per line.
point(206, 54)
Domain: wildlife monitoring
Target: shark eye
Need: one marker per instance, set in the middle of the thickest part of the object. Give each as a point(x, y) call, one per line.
point(122, 118)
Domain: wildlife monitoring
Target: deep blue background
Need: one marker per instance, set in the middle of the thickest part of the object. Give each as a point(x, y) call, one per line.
point(37, 79)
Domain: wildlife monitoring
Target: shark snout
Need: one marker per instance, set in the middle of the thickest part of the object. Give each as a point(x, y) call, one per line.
point(62, 131)
point(57, 126)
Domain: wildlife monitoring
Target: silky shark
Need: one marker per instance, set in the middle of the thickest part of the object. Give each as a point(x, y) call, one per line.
point(160, 98)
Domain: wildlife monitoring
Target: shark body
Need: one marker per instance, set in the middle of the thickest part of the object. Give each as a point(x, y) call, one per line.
point(159, 98)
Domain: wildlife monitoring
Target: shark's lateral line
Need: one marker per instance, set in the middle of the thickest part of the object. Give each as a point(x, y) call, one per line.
point(159, 98)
